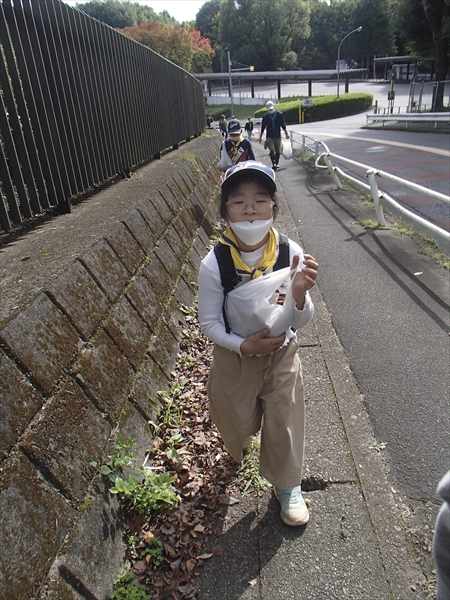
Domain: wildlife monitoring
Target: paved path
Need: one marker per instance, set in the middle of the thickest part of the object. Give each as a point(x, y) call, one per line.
point(359, 542)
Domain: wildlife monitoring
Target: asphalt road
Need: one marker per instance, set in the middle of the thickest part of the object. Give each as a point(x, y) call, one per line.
point(394, 325)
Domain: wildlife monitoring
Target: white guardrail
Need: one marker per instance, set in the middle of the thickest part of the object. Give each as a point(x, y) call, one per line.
point(321, 151)
point(410, 117)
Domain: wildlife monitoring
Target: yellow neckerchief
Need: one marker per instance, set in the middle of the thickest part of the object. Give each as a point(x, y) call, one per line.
point(270, 254)
point(235, 146)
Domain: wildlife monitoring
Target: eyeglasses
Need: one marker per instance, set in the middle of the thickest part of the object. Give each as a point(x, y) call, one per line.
point(259, 206)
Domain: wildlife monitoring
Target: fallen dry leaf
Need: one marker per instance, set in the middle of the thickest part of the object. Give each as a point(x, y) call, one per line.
point(217, 550)
point(205, 556)
point(228, 501)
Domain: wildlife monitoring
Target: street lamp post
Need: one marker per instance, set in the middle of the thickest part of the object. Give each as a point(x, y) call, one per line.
point(230, 83)
point(339, 56)
point(221, 65)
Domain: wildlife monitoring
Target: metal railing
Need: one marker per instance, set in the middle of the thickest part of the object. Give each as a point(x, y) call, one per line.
point(79, 104)
point(439, 117)
point(379, 197)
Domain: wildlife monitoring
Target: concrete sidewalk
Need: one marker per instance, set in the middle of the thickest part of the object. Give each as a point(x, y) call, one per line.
point(355, 545)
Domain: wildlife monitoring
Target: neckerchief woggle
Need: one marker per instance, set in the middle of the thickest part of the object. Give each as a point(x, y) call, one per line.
point(268, 260)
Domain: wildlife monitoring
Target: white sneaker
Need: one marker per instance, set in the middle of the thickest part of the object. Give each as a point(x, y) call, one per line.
point(293, 508)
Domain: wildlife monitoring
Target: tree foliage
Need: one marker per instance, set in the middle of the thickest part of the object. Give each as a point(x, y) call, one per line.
point(118, 14)
point(424, 27)
point(261, 32)
point(207, 22)
point(182, 45)
point(377, 35)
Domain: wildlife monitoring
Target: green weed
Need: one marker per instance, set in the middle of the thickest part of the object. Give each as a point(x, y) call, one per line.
point(125, 589)
point(146, 491)
point(369, 224)
point(156, 551)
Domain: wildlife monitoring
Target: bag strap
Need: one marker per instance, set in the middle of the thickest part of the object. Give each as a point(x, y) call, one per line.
point(283, 259)
point(228, 276)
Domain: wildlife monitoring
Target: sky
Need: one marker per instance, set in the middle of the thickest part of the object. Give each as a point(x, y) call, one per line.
point(182, 10)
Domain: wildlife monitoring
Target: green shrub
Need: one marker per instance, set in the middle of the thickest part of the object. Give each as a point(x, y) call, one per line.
point(323, 108)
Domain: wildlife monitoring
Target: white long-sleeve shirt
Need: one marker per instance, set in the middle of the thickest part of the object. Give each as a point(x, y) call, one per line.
point(210, 298)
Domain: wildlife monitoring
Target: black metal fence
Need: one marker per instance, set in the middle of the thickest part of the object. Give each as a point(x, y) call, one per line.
point(79, 104)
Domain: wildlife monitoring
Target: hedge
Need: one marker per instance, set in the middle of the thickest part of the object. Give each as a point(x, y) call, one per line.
point(323, 108)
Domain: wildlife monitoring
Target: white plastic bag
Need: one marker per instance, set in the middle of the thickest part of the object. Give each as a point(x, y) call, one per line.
point(252, 307)
point(225, 161)
point(287, 149)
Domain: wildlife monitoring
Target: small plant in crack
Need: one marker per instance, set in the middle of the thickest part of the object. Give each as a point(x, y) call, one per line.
point(146, 491)
point(126, 589)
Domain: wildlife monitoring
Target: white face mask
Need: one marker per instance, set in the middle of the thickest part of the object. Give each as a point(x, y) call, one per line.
point(271, 110)
point(251, 233)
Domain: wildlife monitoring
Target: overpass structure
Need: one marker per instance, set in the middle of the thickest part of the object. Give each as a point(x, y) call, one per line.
point(262, 77)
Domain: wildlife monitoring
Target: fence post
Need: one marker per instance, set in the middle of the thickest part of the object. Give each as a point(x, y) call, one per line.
point(376, 196)
point(332, 171)
point(303, 147)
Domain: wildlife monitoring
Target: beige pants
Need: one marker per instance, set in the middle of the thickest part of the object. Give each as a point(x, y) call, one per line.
point(250, 393)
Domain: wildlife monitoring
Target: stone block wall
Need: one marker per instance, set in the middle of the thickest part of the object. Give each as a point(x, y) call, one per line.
point(77, 367)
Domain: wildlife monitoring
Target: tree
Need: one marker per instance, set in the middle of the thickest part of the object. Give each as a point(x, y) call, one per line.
point(207, 22)
point(261, 32)
point(377, 35)
point(328, 24)
point(415, 20)
point(118, 14)
point(289, 61)
point(186, 48)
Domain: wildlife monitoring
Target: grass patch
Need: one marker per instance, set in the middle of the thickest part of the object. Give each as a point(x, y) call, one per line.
point(192, 158)
point(427, 245)
point(247, 477)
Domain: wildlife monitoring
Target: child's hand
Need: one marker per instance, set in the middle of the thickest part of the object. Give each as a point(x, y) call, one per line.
point(259, 343)
point(304, 279)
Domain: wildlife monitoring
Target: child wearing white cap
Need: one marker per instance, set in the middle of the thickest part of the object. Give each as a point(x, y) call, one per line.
point(255, 383)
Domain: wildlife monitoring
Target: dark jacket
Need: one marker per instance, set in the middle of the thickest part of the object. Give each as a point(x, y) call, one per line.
point(274, 123)
point(239, 152)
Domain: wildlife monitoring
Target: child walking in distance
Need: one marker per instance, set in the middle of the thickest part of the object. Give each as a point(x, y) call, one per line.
point(223, 126)
point(236, 146)
point(255, 383)
point(249, 128)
